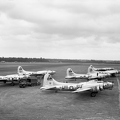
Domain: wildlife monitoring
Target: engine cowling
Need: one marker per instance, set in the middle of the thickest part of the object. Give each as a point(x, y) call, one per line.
point(95, 89)
point(101, 87)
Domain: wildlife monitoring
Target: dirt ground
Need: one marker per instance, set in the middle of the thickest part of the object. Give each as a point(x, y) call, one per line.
point(31, 103)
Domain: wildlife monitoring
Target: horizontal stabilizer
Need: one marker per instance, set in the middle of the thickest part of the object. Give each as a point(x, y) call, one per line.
point(48, 88)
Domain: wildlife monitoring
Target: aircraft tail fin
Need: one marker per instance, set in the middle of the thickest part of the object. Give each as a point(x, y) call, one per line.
point(70, 72)
point(91, 69)
point(21, 70)
point(49, 81)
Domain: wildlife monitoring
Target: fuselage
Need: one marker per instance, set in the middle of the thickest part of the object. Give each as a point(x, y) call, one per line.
point(38, 72)
point(77, 76)
point(93, 84)
point(109, 72)
point(14, 77)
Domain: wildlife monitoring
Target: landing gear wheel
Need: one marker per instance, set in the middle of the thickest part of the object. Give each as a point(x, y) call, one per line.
point(93, 94)
point(20, 86)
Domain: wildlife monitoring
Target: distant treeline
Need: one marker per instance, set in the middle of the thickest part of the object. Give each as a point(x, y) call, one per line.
point(21, 59)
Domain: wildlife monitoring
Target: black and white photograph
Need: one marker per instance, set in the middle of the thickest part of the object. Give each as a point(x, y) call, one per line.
point(59, 60)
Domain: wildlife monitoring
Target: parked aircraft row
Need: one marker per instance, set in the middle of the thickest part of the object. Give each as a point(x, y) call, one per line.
point(93, 73)
point(92, 85)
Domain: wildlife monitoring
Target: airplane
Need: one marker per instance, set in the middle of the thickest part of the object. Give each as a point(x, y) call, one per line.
point(89, 76)
point(93, 86)
point(11, 78)
point(96, 74)
point(73, 75)
point(21, 71)
point(102, 69)
point(111, 72)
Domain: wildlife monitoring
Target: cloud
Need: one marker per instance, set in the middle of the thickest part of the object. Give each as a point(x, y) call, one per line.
point(59, 28)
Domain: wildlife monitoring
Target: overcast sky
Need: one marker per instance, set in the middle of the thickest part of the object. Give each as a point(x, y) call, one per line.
point(73, 29)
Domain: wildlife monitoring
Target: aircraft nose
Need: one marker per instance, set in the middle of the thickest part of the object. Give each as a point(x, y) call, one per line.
point(108, 85)
point(118, 71)
point(112, 84)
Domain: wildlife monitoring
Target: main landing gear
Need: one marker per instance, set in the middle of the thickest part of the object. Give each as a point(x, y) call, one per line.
point(93, 94)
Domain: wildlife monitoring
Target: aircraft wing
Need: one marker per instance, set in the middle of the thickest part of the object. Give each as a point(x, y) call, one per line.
point(81, 90)
point(70, 77)
point(40, 73)
point(36, 74)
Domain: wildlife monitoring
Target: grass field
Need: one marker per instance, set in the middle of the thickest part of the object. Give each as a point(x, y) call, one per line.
point(32, 104)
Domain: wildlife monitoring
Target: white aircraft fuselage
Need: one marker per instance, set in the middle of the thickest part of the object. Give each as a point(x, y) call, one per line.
point(94, 86)
point(21, 71)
